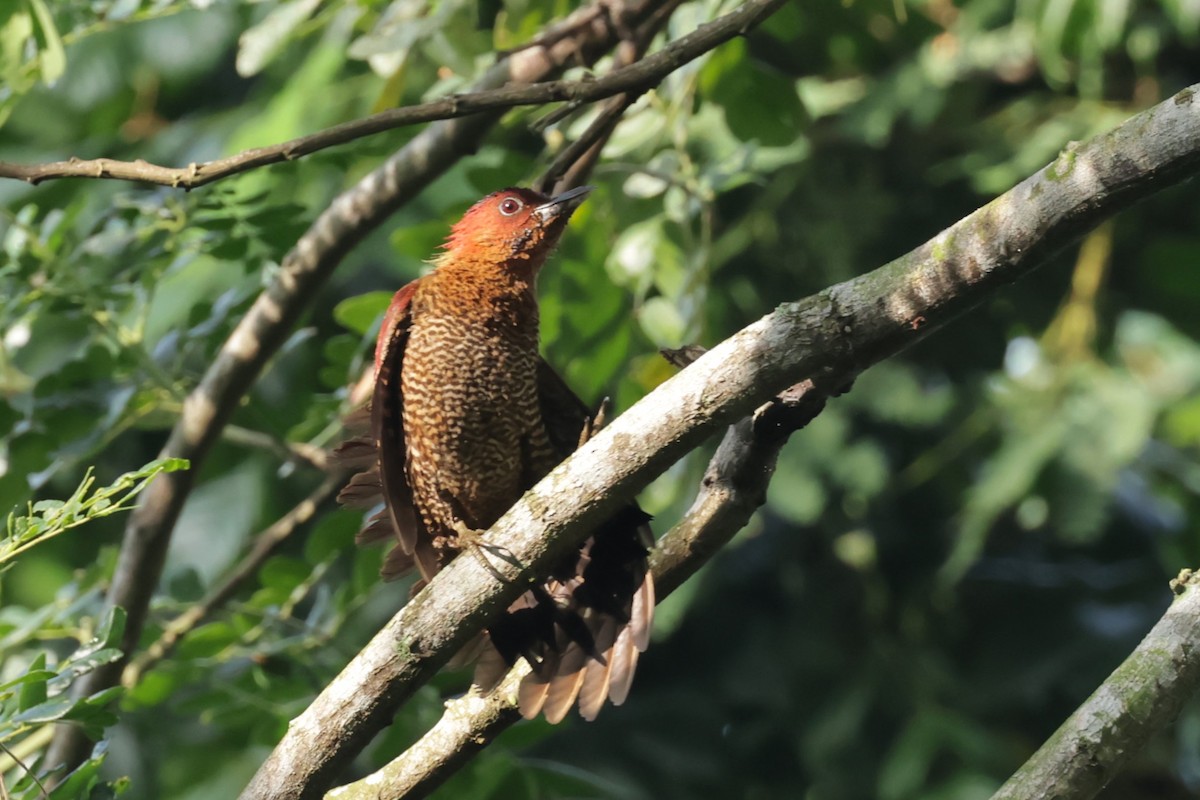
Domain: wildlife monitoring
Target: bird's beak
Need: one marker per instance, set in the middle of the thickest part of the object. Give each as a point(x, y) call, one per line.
point(562, 205)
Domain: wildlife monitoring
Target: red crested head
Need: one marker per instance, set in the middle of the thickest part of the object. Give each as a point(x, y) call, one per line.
point(514, 226)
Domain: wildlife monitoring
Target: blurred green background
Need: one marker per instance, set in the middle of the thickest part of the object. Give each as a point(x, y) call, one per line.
point(952, 556)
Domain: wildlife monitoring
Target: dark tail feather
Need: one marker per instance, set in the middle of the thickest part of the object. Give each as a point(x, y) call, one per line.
point(490, 666)
point(356, 453)
point(363, 491)
point(377, 529)
point(531, 697)
point(583, 629)
point(396, 564)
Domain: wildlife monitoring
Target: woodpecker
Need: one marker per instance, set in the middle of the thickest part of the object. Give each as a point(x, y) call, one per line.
point(465, 416)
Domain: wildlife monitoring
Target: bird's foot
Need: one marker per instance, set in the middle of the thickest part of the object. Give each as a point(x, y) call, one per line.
point(466, 535)
point(470, 540)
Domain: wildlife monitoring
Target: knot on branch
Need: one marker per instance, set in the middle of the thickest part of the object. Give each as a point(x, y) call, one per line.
point(1185, 578)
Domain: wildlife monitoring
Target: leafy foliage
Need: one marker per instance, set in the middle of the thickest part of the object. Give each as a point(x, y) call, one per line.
point(952, 556)
point(49, 518)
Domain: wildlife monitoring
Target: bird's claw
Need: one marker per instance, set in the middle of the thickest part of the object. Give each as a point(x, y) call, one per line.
point(470, 540)
point(467, 536)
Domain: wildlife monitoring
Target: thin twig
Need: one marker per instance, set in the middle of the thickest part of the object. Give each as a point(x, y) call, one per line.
point(28, 747)
point(579, 156)
point(302, 452)
point(636, 77)
point(573, 165)
point(41, 787)
point(558, 31)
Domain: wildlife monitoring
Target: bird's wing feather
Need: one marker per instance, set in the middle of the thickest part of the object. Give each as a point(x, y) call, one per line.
point(387, 421)
point(381, 453)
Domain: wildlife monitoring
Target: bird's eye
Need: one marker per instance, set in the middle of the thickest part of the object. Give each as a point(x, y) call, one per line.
point(510, 206)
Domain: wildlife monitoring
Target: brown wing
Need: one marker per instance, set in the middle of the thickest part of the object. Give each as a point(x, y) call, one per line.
point(381, 454)
point(581, 630)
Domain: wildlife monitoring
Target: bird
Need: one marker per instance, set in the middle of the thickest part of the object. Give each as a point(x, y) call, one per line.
point(465, 416)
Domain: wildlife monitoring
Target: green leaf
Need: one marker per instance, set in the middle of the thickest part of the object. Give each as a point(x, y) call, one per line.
point(759, 105)
point(284, 573)
point(16, 28)
point(662, 322)
point(33, 675)
point(33, 690)
point(333, 534)
point(113, 627)
point(81, 782)
point(53, 56)
point(47, 711)
point(259, 45)
point(360, 312)
point(208, 640)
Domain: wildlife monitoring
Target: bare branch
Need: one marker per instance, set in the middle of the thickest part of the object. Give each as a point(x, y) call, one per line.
point(469, 724)
point(1140, 698)
point(572, 166)
point(829, 337)
point(289, 452)
point(637, 78)
point(264, 328)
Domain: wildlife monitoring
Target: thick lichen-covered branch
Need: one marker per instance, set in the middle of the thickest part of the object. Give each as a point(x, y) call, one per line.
point(828, 338)
point(1140, 698)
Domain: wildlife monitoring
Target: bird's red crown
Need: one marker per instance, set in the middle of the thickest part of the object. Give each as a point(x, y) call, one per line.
point(512, 225)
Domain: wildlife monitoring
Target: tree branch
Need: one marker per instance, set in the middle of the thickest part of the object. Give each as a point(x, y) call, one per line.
point(288, 452)
point(1140, 698)
point(571, 167)
point(636, 78)
point(829, 337)
point(469, 724)
point(354, 214)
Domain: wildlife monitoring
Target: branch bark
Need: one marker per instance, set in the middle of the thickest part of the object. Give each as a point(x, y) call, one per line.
point(348, 220)
point(1140, 698)
point(829, 337)
point(635, 78)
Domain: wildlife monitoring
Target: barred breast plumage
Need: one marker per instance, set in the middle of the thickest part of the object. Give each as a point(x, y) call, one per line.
point(472, 423)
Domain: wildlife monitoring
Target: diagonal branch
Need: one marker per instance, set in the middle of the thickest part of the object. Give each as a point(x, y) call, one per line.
point(1140, 698)
point(571, 167)
point(348, 220)
point(635, 78)
point(830, 337)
